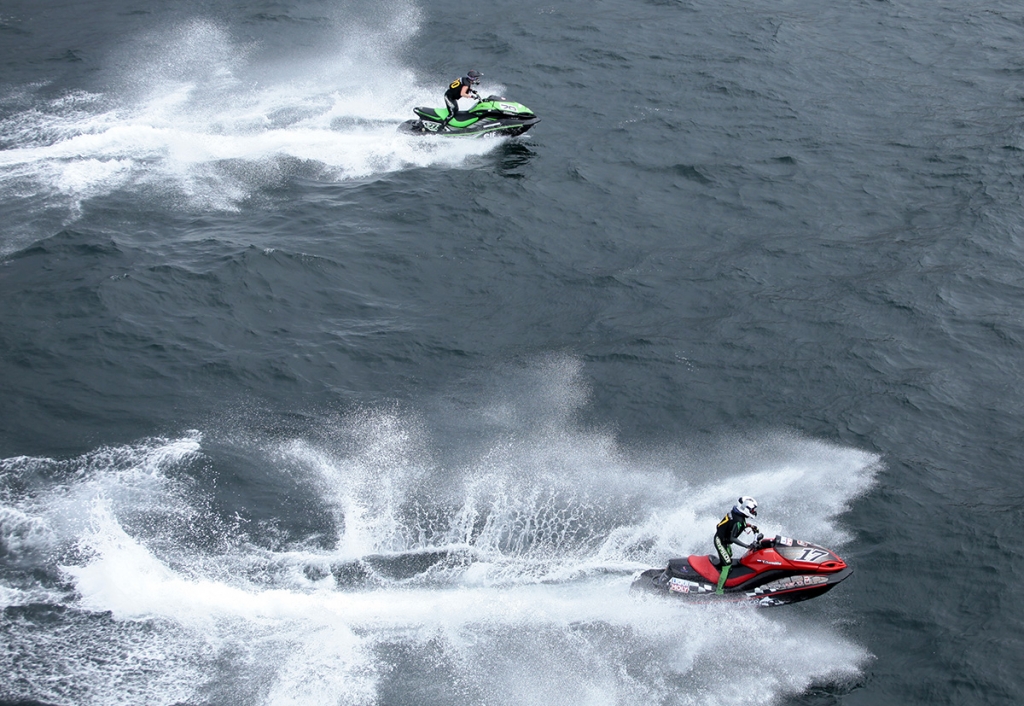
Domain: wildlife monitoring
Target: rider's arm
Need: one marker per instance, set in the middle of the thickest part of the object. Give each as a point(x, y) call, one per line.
point(737, 529)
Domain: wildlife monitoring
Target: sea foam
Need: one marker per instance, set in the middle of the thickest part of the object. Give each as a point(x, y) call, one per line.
point(505, 577)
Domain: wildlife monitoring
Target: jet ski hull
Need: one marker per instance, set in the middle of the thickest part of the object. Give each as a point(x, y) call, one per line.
point(774, 574)
point(508, 128)
point(491, 116)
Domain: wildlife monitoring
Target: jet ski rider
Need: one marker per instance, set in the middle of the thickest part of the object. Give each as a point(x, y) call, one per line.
point(460, 88)
point(728, 533)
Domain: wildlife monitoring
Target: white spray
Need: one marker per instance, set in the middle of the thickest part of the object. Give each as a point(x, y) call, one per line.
point(505, 579)
point(200, 120)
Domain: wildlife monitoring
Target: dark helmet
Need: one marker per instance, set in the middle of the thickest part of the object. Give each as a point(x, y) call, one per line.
point(474, 77)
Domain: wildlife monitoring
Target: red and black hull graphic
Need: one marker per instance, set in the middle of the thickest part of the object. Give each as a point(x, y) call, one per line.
point(776, 572)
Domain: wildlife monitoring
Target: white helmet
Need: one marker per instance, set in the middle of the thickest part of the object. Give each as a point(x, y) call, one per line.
point(747, 506)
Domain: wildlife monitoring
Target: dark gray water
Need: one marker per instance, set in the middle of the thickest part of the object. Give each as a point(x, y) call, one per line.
point(301, 410)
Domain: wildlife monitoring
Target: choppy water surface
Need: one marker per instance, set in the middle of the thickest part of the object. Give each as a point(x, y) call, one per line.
point(302, 410)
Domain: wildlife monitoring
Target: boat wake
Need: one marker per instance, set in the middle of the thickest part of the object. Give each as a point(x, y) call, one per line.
point(362, 569)
point(204, 121)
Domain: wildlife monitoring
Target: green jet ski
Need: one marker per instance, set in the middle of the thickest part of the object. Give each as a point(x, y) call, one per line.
point(491, 116)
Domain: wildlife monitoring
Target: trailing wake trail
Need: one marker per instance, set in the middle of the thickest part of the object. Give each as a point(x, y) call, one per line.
point(198, 120)
point(507, 578)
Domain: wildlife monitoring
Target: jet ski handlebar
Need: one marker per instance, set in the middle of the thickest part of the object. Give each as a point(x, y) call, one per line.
point(760, 542)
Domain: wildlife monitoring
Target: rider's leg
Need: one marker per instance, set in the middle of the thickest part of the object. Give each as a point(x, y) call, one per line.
point(453, 108)
point(725, 557)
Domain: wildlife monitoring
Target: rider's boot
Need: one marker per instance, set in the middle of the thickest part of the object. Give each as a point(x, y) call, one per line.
point(721, 578)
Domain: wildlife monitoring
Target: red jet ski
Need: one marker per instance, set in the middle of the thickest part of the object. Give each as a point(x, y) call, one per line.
point(773, 572)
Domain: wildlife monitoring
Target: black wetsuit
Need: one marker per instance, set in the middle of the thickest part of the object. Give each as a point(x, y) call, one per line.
point(452, 95)
point(728, 532)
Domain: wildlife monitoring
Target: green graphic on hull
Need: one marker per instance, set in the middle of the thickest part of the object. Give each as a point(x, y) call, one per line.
point(493, 115)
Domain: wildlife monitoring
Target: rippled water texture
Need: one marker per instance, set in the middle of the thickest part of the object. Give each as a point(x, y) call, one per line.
point(299, 409)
